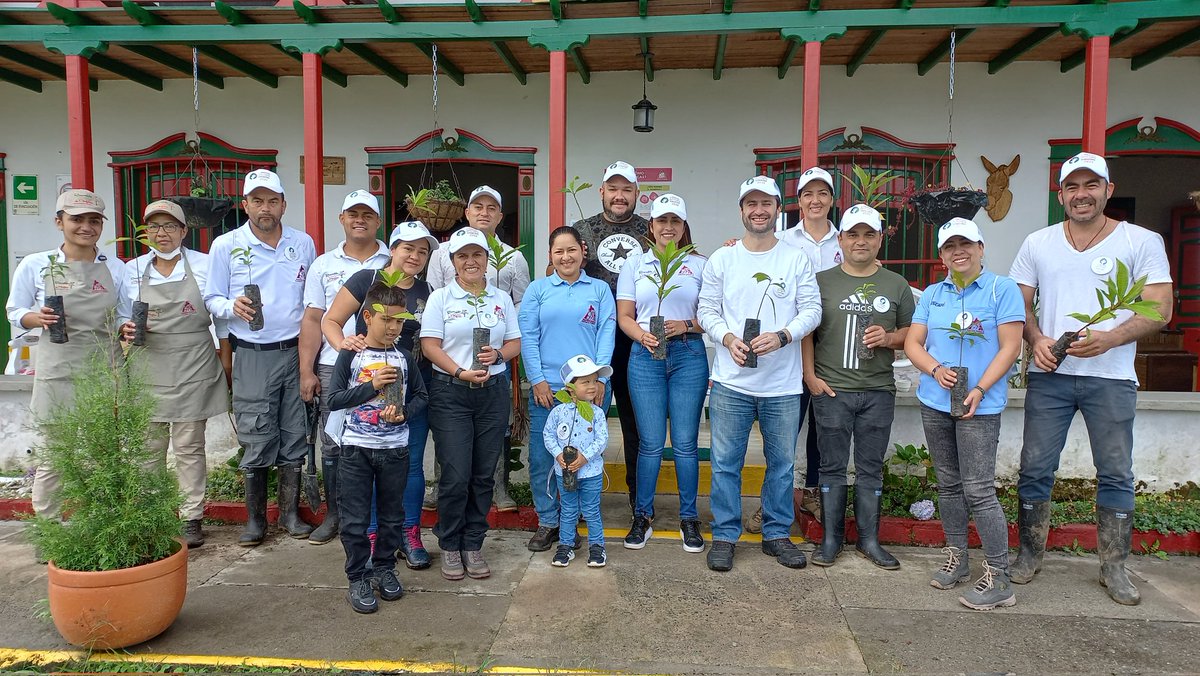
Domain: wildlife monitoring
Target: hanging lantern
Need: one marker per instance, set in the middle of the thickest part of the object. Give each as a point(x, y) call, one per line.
point(643, 111)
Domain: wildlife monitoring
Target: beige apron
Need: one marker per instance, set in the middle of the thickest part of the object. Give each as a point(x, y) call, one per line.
point(90, 299)
point(182, 366)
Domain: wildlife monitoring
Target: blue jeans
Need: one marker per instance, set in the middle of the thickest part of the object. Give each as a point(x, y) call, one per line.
point(1108, 407)
point(732, 415)
point(673, 387)
point(585, 501)
point(541, 463)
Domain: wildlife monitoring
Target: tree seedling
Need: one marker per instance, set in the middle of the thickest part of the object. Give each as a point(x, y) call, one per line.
point(865, 312)
point(573, 189)
point(670, 258)
point(141, 309)
point(583, 409)
point(966, 331)
point(393, 393)
point(251, 290)
point(57, 271)
point(753, 324)
point(1118, 294)
point(870, 188)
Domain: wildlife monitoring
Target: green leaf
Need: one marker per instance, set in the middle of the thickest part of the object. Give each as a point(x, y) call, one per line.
point(585, 410)
point(392, 278)
point(1147, 309)
point(762, 277)
point(1122, 275)
point(378, 307)
point(1086, 319)
point(563, 396)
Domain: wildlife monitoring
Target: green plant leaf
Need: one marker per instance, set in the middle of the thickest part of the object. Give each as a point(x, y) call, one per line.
point(1147, 309)
point(762, 277)
point(392, 278)
point(585, 410)
point(1086, 319)
point(563, 396)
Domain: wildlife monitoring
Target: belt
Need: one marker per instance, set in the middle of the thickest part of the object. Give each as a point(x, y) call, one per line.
point(236, 343)
point(687, 336)
point(447, 378)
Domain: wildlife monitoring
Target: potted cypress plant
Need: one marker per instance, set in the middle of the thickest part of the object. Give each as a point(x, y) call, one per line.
point(1119, 294)
point(252, 291)
point(117, 567)
point(583, 410)
point(56, 270)
point(670, 258)
point(966, 330)
point(753, 325)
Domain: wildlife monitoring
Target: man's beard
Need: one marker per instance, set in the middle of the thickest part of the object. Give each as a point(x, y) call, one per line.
point(614, 218)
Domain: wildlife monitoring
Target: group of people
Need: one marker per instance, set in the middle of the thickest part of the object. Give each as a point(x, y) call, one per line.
point(395, 339)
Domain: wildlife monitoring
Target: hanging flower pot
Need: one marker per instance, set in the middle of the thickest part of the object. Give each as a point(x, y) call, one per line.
point(935, 207)
point(204, 212)
point(439, 208)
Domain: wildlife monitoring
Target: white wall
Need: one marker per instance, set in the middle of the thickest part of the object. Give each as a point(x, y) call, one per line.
point(705, 131)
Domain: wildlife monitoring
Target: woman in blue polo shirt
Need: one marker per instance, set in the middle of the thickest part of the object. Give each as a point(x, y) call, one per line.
point(563, 315)
point(964, 449)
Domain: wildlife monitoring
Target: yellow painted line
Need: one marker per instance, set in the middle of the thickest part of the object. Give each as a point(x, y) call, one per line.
point(752, 479)
point(10, 657)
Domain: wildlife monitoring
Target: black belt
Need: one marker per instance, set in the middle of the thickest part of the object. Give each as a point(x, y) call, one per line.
point(686, 336)
point(288, 344)
point(447, 378)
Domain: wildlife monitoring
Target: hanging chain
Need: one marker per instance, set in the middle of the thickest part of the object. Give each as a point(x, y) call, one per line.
point(435, 84)
point(196, 88)
point(950, 107)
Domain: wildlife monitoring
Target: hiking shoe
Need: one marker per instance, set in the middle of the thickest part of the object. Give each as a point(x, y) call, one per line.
point(689, 531)
point(388, 585)
point(542, 539)
point(720, 556)
point(810, 501)
point(477, 568)
point(639, 533)
point(596, 556)
point(785, 552)
point(412, 550)
point(992, 590)
point(362, 596)
point(754, 523)
point(563, 556)
point(956, 569)
point(452, 566)
point(193, 534)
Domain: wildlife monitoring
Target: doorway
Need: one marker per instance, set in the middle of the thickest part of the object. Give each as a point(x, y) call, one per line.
point(464, 176)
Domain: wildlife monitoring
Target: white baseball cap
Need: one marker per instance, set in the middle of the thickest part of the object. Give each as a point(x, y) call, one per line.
point(411, 231)
point(485, 190)
point(582, 365)
point(623, 169)
point(960, 227)
point(262, 178)
point(814, 174)
point(466, 237)
point(78, 202)
point(361, 197)
point(861, 213)
point(165, 207)
point(1089, 161)
point(764, 184)
point(669, 204)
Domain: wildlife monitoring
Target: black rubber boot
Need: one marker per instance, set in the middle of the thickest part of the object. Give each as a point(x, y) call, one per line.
point(289, 502)
point(1033, 527)
point(1114, 535)
point(256, 507)
point(328, 529)
point(833, 521)
point(866, 518)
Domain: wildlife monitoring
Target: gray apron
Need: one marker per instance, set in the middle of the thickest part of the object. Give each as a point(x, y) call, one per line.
point(90, 298)
point(182, 366)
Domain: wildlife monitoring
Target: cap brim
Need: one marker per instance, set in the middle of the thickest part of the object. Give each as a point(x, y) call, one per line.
point(148, 214)
point(79, 211)
point(347, 207)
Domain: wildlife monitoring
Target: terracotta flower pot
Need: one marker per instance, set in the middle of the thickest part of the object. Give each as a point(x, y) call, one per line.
point(105, 610)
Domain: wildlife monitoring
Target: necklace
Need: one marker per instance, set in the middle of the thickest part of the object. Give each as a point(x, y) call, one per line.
point(1091, 241)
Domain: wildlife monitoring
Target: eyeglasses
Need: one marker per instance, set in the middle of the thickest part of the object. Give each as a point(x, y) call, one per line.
point(169, 228)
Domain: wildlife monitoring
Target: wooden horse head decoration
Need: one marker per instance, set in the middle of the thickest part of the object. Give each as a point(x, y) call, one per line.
point(999, 196)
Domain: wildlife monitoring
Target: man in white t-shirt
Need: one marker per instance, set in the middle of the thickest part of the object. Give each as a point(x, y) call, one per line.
point(757, 278)
point(1062, 265)
point(360, 251)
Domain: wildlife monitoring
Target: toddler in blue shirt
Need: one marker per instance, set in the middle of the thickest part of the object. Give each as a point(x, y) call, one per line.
point(577, 427)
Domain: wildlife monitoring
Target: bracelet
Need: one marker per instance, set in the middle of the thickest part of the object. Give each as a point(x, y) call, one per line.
point(934, 371)
point(458, 372)
point(981, 390)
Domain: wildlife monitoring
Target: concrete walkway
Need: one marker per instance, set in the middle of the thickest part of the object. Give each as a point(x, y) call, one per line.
point(658, 610)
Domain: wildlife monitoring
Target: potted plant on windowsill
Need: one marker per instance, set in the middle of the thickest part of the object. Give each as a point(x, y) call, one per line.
point(1119, 294)
point(670, 258)
point(251, 290)
point(439, 207)
point(753, 324)
point(117, 567)
point(966, 330)
point(583, 409)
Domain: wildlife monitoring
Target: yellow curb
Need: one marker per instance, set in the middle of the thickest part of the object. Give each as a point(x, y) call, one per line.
point(10, 657)
point(752, 479)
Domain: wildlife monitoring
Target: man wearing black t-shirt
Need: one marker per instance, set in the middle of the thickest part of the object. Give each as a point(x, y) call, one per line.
point(610, 238)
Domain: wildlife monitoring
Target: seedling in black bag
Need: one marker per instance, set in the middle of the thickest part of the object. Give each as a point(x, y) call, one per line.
point(583, 409)
point(244, 256)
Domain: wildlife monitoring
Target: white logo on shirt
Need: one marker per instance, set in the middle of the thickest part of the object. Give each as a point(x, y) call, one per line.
point(882, 304)
point(291, 254)
point(615, 249)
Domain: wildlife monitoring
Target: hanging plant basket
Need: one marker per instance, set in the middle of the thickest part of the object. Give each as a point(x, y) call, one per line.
point(204, 212)
point(935, 207)
point(438, 215)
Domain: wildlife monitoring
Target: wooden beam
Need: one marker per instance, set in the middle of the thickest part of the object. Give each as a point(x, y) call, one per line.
point(932, 59)
point(306, 13)
point(126, 71)
point(381, 64)
point(556, 10)
point(719, 62)
point(388, 11)
point(237, 63)
point(642, 7)
point(509, 60)
point(728, 9)
point(48, 67)
point(1095, 95)
point(474, 11)
point(1166, 48)
point(793, 47)
point(1037, 37)
point(863, 52)
point(233, 17)
point(444, 64)
point(332, 74)
point(814, 5)
point(1077, 59)
point(13, 77)
point(581, 66)
point(647, 59)
point(558, 138)
point(177, 64)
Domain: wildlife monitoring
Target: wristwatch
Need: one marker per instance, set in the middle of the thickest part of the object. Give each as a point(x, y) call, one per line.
point(688, 323)
point(783, 337)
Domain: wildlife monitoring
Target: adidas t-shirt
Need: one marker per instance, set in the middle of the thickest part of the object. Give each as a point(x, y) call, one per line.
point(890, 301)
